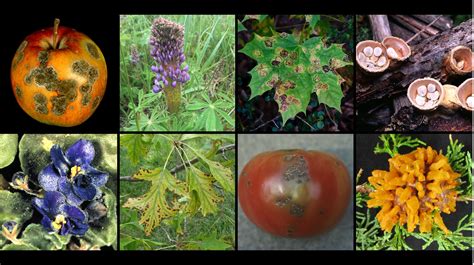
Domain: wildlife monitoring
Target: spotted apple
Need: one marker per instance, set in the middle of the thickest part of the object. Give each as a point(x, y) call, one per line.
point(59, 76)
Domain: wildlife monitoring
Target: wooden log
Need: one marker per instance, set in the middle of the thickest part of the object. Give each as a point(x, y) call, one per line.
point(426, 61)
point(417, 24)
point(404, 34)
point(444, 23)
point(411, 28)
point(380, 27)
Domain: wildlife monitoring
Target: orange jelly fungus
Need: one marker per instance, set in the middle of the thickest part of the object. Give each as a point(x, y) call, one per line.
point(416, 189)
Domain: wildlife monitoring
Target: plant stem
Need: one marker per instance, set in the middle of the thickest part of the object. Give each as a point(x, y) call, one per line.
point(55, 33)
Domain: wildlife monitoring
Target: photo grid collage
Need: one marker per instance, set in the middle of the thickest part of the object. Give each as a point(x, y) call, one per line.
point(238, 132)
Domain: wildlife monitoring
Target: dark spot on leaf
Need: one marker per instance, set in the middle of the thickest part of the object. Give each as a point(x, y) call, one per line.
point(268, 43)
point(326, 68)
point(275, 63)
point(284, 53)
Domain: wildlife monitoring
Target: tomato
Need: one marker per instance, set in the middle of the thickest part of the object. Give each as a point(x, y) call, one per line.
point(294, 193)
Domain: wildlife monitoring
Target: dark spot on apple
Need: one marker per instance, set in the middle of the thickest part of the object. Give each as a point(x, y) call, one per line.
point(40, 103)
point(84, 69)
point(80, 67)
point(296, 210)
point(18, 92)
point(43, 57)
point(321, 212)
point(86, 88)
point(93, 74)
point(20, 53)
point(86, 98)
point(249, 183)
point(59, 104)
point(95, 103)
point(92, 49)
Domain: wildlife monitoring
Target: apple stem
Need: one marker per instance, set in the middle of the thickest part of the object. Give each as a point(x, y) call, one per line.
point(55, 33)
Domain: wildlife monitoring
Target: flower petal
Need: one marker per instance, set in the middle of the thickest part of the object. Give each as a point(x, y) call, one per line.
point(79, 228)
point(46, 223)
point(73, 212)
point(50, 204)
point(66, 188)
point(48, 178)
point(81, 152)
point(98, 178)
point(60, 161)
point(86, 193)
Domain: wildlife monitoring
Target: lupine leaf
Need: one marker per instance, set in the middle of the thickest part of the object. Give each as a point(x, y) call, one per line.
point(295, 71)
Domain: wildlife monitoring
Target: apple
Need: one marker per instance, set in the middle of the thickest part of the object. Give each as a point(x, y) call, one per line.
point(59, 76)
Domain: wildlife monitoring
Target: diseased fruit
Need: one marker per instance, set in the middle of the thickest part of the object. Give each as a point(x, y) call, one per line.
point(59, 76)
point(294, 193)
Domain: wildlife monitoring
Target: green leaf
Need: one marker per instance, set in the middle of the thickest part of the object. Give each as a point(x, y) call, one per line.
point(212, 122)
point(136, 147)
point(227, 137)
point(212, 243)
point(18, 247)
point(204, 194)
point(295, 71)
point(312, 20)
point(37, 237)
point(154, 205)
point(106, 233)
point(240, 26)
point(13, 207)
point(8, 145)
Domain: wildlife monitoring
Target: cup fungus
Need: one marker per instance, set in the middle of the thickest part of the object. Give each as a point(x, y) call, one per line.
point(371, 56)
point(465, 94)
point(425, 93)
point(397, 49)
point(459, 61)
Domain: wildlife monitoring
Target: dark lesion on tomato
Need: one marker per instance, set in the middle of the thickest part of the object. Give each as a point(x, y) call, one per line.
point(282, 201)
point(297, 169)
point(291, 230)
point(296, 210)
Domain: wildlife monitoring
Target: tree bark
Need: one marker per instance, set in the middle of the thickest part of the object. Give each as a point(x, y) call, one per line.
point(380, 27)
point(426, 60)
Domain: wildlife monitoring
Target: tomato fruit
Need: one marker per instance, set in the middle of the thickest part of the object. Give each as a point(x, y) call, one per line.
point(294, 193)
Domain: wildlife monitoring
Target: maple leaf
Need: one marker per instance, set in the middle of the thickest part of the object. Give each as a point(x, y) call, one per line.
point(153, 205)
point(295, 71)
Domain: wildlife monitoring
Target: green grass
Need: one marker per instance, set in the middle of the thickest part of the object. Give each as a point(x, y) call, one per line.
point(210, 53)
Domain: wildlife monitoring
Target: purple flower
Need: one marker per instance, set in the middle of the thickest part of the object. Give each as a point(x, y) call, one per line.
point(156, 89)
point(60, 217)
point(134, 55)
point(72, 173)
point(167, 40)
